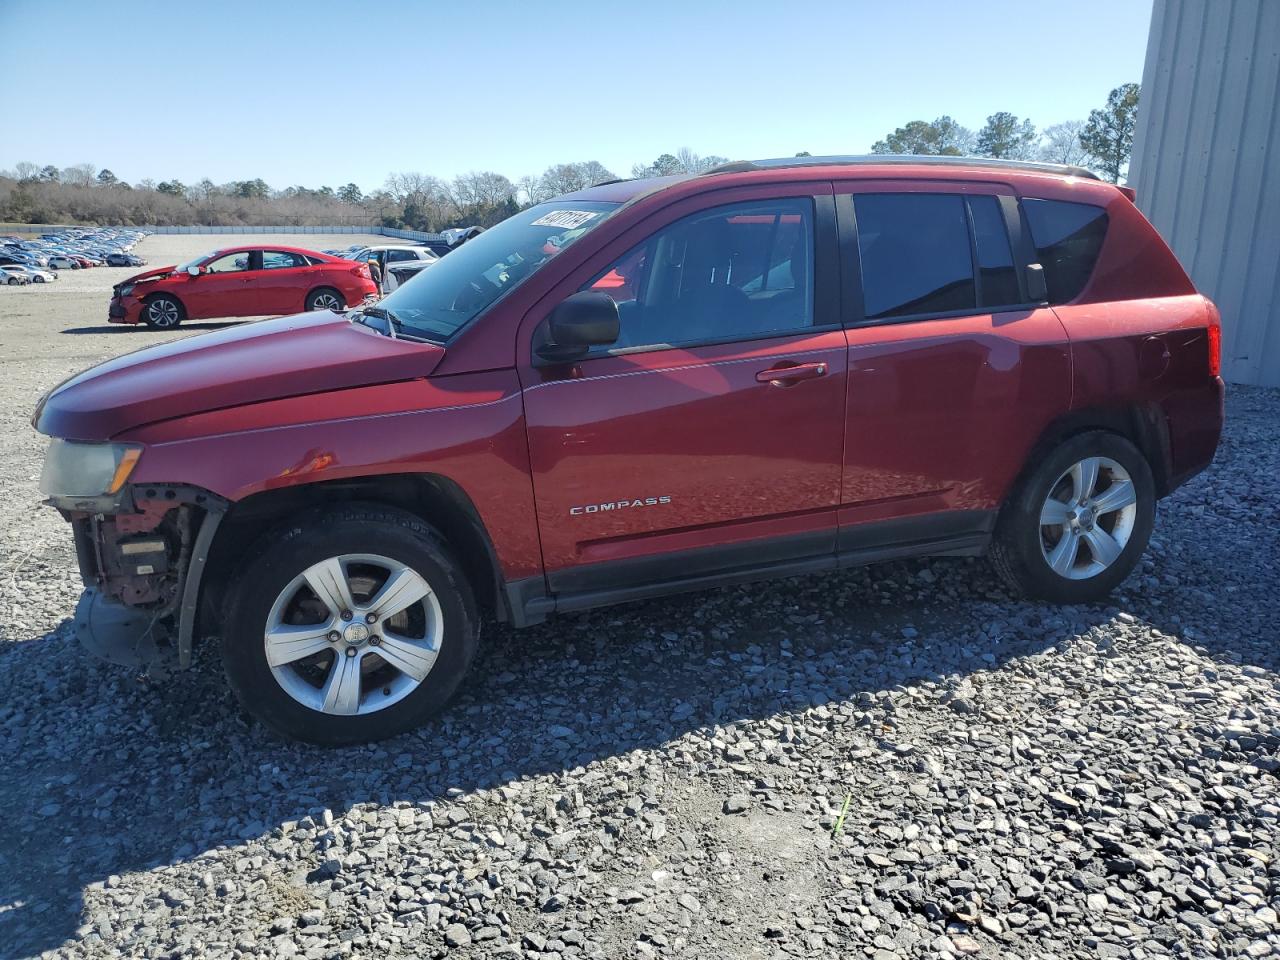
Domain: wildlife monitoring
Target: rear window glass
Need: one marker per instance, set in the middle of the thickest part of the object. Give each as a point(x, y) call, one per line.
point(915, 254)
point(1067, 237)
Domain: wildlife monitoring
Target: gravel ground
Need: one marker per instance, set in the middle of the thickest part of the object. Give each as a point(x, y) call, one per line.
point(668, 779)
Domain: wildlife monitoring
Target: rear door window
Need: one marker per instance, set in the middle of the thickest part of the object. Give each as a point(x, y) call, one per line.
point(1067, 238)
point(915, 253)
point(281, 260)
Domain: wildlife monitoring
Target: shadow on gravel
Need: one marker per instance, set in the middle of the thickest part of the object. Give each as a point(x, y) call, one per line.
point(129, 777)
point(143, 328)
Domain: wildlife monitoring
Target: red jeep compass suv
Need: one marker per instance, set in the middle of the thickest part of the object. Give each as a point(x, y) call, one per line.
point(649, 386)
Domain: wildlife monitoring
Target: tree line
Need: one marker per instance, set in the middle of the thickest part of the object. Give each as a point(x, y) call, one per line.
point(84, 193)
point(1103, 142)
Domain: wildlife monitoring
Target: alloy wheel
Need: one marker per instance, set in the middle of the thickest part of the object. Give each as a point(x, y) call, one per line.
point(1087, 518)
point(326, 301)
point(353, 634)
point(163, 313)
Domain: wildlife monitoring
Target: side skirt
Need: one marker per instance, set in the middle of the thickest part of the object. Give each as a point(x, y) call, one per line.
point(960, 533)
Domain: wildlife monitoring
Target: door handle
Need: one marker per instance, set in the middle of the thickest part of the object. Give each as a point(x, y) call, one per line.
point(791, 374)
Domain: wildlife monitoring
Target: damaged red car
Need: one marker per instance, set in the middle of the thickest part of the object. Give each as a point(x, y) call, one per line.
point(241, 282)
point(650, 386)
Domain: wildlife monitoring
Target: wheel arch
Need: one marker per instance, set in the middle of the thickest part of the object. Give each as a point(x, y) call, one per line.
point(436, 499)
point(1143, 425)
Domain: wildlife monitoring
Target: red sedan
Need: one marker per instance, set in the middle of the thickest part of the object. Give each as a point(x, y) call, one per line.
point(241, 282)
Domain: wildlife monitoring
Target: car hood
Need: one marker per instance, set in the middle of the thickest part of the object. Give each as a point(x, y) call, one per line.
point(250, 363)
point(158, 273)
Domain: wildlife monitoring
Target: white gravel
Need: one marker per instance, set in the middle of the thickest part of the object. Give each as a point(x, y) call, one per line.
point(665, 779)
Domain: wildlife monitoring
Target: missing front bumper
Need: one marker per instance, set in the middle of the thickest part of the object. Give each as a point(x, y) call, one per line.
point(129, 636)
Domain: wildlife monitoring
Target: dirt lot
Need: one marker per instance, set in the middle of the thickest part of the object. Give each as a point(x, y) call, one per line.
point(665, 779)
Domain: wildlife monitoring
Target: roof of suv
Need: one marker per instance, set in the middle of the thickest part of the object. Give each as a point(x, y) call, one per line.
point(621, 191)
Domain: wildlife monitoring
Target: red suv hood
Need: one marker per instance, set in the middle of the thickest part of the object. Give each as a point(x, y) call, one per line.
point(268, 360)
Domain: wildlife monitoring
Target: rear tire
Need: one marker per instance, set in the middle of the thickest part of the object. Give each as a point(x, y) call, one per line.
point(1078, 522)
point(325, 298)
point(162, 312)
point(289, 655)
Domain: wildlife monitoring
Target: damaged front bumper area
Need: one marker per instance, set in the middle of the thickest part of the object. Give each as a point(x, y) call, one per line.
point(142, 560)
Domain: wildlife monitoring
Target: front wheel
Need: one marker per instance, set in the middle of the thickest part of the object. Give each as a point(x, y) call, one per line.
point(1079, 522)
point(326, 298)
point(351, 625)
point(161, 312)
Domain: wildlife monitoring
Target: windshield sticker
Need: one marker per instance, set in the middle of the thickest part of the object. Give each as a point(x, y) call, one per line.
point(565, 219)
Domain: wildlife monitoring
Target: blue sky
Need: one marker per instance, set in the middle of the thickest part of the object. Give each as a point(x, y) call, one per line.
point(321, 92)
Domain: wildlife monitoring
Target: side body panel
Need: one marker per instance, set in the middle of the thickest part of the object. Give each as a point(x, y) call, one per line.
point(729, 456)
point(942, 411)
point(468, 428)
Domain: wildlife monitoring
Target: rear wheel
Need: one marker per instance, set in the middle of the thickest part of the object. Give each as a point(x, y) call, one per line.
point(352, 624)
point(162, 312)
point(14, 281)
point(325, 298)
point(1079, 522)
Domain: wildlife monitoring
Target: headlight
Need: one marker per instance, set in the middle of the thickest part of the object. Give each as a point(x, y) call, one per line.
point(125, 289)
point(74, 469)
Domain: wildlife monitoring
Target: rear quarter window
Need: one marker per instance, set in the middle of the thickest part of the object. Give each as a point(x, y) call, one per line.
point(1067, 238)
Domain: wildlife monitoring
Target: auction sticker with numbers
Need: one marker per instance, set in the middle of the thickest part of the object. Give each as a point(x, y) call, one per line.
point(565, 219)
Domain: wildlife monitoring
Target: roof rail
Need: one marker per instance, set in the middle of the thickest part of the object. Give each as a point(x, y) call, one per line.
point(873, 159)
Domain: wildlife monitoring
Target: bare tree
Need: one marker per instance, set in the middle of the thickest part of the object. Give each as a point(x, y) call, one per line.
point(1061, 143)
point(80, 175)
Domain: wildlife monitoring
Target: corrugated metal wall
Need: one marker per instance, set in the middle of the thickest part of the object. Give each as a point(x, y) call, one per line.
point(1206, 164)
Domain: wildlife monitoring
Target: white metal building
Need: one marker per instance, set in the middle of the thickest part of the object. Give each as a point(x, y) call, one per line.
point(1206, 164)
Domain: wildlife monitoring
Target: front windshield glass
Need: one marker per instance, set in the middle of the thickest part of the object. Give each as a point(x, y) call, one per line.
point(195, 262)
point(441, 301)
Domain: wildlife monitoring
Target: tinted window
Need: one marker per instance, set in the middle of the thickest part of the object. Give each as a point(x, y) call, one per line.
point(998, 283)
point(1067, 237)
point(395, 256)
point(738, 271)
point(279, 260)
point(915, 254)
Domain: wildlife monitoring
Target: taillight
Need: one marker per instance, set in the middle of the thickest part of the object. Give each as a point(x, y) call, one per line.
point(361, 271)
point(1215, 340)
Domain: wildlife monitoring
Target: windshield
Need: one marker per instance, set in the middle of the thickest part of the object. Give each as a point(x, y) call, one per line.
point(441, 301)
point(182, 267)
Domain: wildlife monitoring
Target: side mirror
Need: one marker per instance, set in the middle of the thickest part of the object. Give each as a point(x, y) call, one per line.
point(1037, 289)
point(578, 323)
point(193, 271)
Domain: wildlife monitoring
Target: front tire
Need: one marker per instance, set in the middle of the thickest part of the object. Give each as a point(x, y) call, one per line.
point(162, 312)
point(352, 624)
point(1079, 521)
point(325, 298)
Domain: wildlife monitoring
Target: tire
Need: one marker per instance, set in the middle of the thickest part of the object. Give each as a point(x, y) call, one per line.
point(38, 280)
point(325, 298)
point(13, 281)
point(300, 696)
point(163, 312)
point(1083, 545)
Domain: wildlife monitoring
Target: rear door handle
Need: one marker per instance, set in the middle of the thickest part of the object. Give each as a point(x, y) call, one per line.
point(793, 373)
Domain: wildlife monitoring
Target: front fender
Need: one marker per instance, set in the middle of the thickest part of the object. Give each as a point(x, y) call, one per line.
point(468, 428)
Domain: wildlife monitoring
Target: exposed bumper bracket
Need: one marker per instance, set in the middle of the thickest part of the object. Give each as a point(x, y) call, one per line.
point(128, 636)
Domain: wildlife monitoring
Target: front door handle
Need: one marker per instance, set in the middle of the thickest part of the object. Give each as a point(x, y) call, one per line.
point(781, 376)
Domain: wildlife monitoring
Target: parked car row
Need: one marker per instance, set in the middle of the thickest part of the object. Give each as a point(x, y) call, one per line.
point(73, 248)
point(12, 275)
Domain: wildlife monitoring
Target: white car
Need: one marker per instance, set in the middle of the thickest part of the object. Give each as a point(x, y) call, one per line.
point(39, 276)
point(60, 262)
point(14, 276)
point(389, 256)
